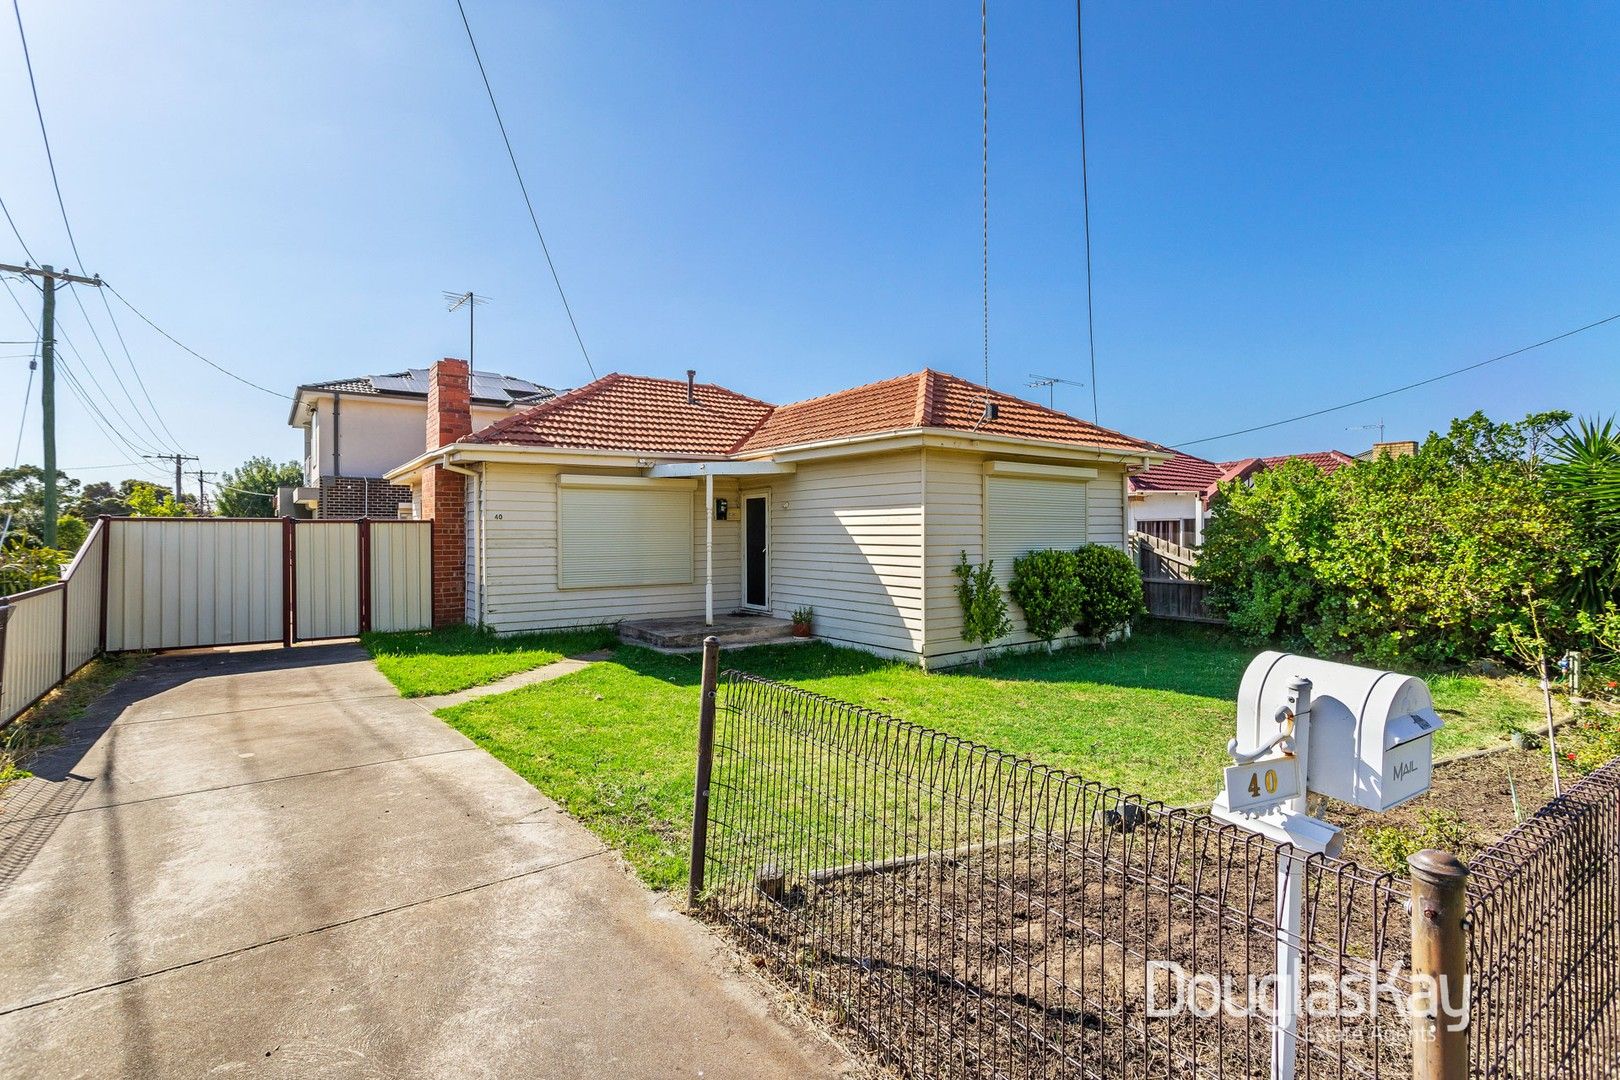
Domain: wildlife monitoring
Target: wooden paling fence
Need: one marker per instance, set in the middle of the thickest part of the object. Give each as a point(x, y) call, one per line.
point(1168, 586)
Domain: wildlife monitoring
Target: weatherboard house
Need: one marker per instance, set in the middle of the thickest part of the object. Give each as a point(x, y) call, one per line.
point(633, 498)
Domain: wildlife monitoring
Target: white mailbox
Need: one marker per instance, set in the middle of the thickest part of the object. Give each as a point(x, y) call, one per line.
point(1371, 732)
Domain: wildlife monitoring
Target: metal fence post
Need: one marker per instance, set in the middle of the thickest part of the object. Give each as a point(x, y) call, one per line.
point(705, 763)
point(1440, 987)
point(5, 617)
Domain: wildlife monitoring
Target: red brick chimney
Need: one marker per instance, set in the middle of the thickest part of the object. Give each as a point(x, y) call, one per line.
point(449, 417)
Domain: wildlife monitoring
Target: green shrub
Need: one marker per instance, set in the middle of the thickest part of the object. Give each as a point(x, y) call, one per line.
point(984, 608)
point(1592, 743)
point(1392, 845)
point(23, 568)
point(1046, 585)
point(1110, 588)
point(1411, 561)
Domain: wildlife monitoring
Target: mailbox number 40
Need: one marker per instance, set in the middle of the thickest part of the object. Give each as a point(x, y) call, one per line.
point(1270, 783)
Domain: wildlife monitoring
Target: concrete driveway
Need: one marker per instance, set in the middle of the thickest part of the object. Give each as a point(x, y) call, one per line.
point(266, 862)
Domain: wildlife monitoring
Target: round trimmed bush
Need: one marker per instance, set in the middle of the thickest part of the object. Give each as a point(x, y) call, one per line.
point(1110, 590)
point(1047, 586)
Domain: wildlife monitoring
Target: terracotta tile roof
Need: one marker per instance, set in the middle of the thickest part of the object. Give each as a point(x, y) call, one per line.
point(1326, 460)
point(628, 412)
point(1187, 473)
point(631, 412)
point(925, 399)
point(1181, 473)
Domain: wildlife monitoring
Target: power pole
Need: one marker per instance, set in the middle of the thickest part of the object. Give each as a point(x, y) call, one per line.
point(47, 378)
point(179, 464)
point(202, 496)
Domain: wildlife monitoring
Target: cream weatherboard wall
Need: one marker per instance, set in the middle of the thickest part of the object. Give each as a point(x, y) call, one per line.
point(520, 541)
point(849, 537)
point(846, 538)
point(956, 522)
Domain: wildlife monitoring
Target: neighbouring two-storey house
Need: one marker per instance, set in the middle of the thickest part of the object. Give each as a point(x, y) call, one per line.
point(356, 429)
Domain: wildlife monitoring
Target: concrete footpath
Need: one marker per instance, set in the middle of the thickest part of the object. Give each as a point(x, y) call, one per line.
point(267, 863)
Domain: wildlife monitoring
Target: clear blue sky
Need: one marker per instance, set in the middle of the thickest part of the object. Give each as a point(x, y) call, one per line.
point(1291, 204)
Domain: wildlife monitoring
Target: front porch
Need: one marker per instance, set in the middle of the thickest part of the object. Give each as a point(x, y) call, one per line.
point(687, 633)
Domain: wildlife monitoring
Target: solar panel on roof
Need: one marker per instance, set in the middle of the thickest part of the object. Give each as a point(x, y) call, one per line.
point(399, 383)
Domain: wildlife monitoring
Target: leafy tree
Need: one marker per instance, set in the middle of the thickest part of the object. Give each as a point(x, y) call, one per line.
point(70, 532)
point(22, 495)
point(250, 489)
point(149, 500)
point(103, 498)
point(1259, 544)
point(984, 608)
point(1415, 560)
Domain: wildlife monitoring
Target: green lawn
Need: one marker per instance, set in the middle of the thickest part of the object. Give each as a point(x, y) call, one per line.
point(421, 664)
point(614, 744)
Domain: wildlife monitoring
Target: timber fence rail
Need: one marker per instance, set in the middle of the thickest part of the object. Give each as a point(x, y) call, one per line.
point(1169, 587)
point(971, 913)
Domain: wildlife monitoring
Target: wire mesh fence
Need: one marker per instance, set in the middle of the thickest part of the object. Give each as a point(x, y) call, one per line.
point(975, 914)
point(1543, 940)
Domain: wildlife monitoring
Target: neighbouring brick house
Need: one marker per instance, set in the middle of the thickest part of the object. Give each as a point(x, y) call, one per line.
point(357, 429)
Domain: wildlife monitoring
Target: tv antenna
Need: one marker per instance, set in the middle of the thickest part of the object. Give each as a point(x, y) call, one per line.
point(1378, 427)
point(469, 300)
point(1050, 382)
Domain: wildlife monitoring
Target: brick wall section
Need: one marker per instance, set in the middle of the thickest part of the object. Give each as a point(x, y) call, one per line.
point(348, 497)
point(449, 417)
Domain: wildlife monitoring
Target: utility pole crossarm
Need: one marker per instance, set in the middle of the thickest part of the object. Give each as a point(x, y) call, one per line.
point(55, 275)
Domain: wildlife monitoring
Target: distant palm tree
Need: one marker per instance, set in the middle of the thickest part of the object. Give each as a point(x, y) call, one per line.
point(1584, 468)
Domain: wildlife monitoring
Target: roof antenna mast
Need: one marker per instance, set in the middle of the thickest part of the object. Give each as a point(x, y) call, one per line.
point(469, 300)
point(984, 157)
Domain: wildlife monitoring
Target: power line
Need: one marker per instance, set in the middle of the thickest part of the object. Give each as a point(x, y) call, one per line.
point(9, 221)
point(189, 349)
point(61, 205)
point(1402, 389)
point(533, 218)
point(22, 422)
point(50, 159)
point(106, 425)
point(119, 379)
point(244, 491)
point(1085, 201)
point(108, 429)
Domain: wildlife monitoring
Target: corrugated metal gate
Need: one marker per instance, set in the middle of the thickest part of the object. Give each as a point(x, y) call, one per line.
point(140, 584)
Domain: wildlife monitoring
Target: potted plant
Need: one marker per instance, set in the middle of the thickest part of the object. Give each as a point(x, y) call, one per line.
point(802, 618)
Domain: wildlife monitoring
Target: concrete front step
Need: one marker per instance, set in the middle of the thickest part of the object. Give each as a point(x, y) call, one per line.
point(688, 633)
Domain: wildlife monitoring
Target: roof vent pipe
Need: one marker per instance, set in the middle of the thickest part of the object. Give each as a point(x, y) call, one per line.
point(691, 388)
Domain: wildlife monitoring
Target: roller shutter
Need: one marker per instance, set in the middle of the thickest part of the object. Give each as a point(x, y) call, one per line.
point(624, 536)
point(1028, 514)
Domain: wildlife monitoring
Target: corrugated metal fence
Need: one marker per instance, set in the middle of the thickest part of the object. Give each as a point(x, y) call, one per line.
point(139, 584)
